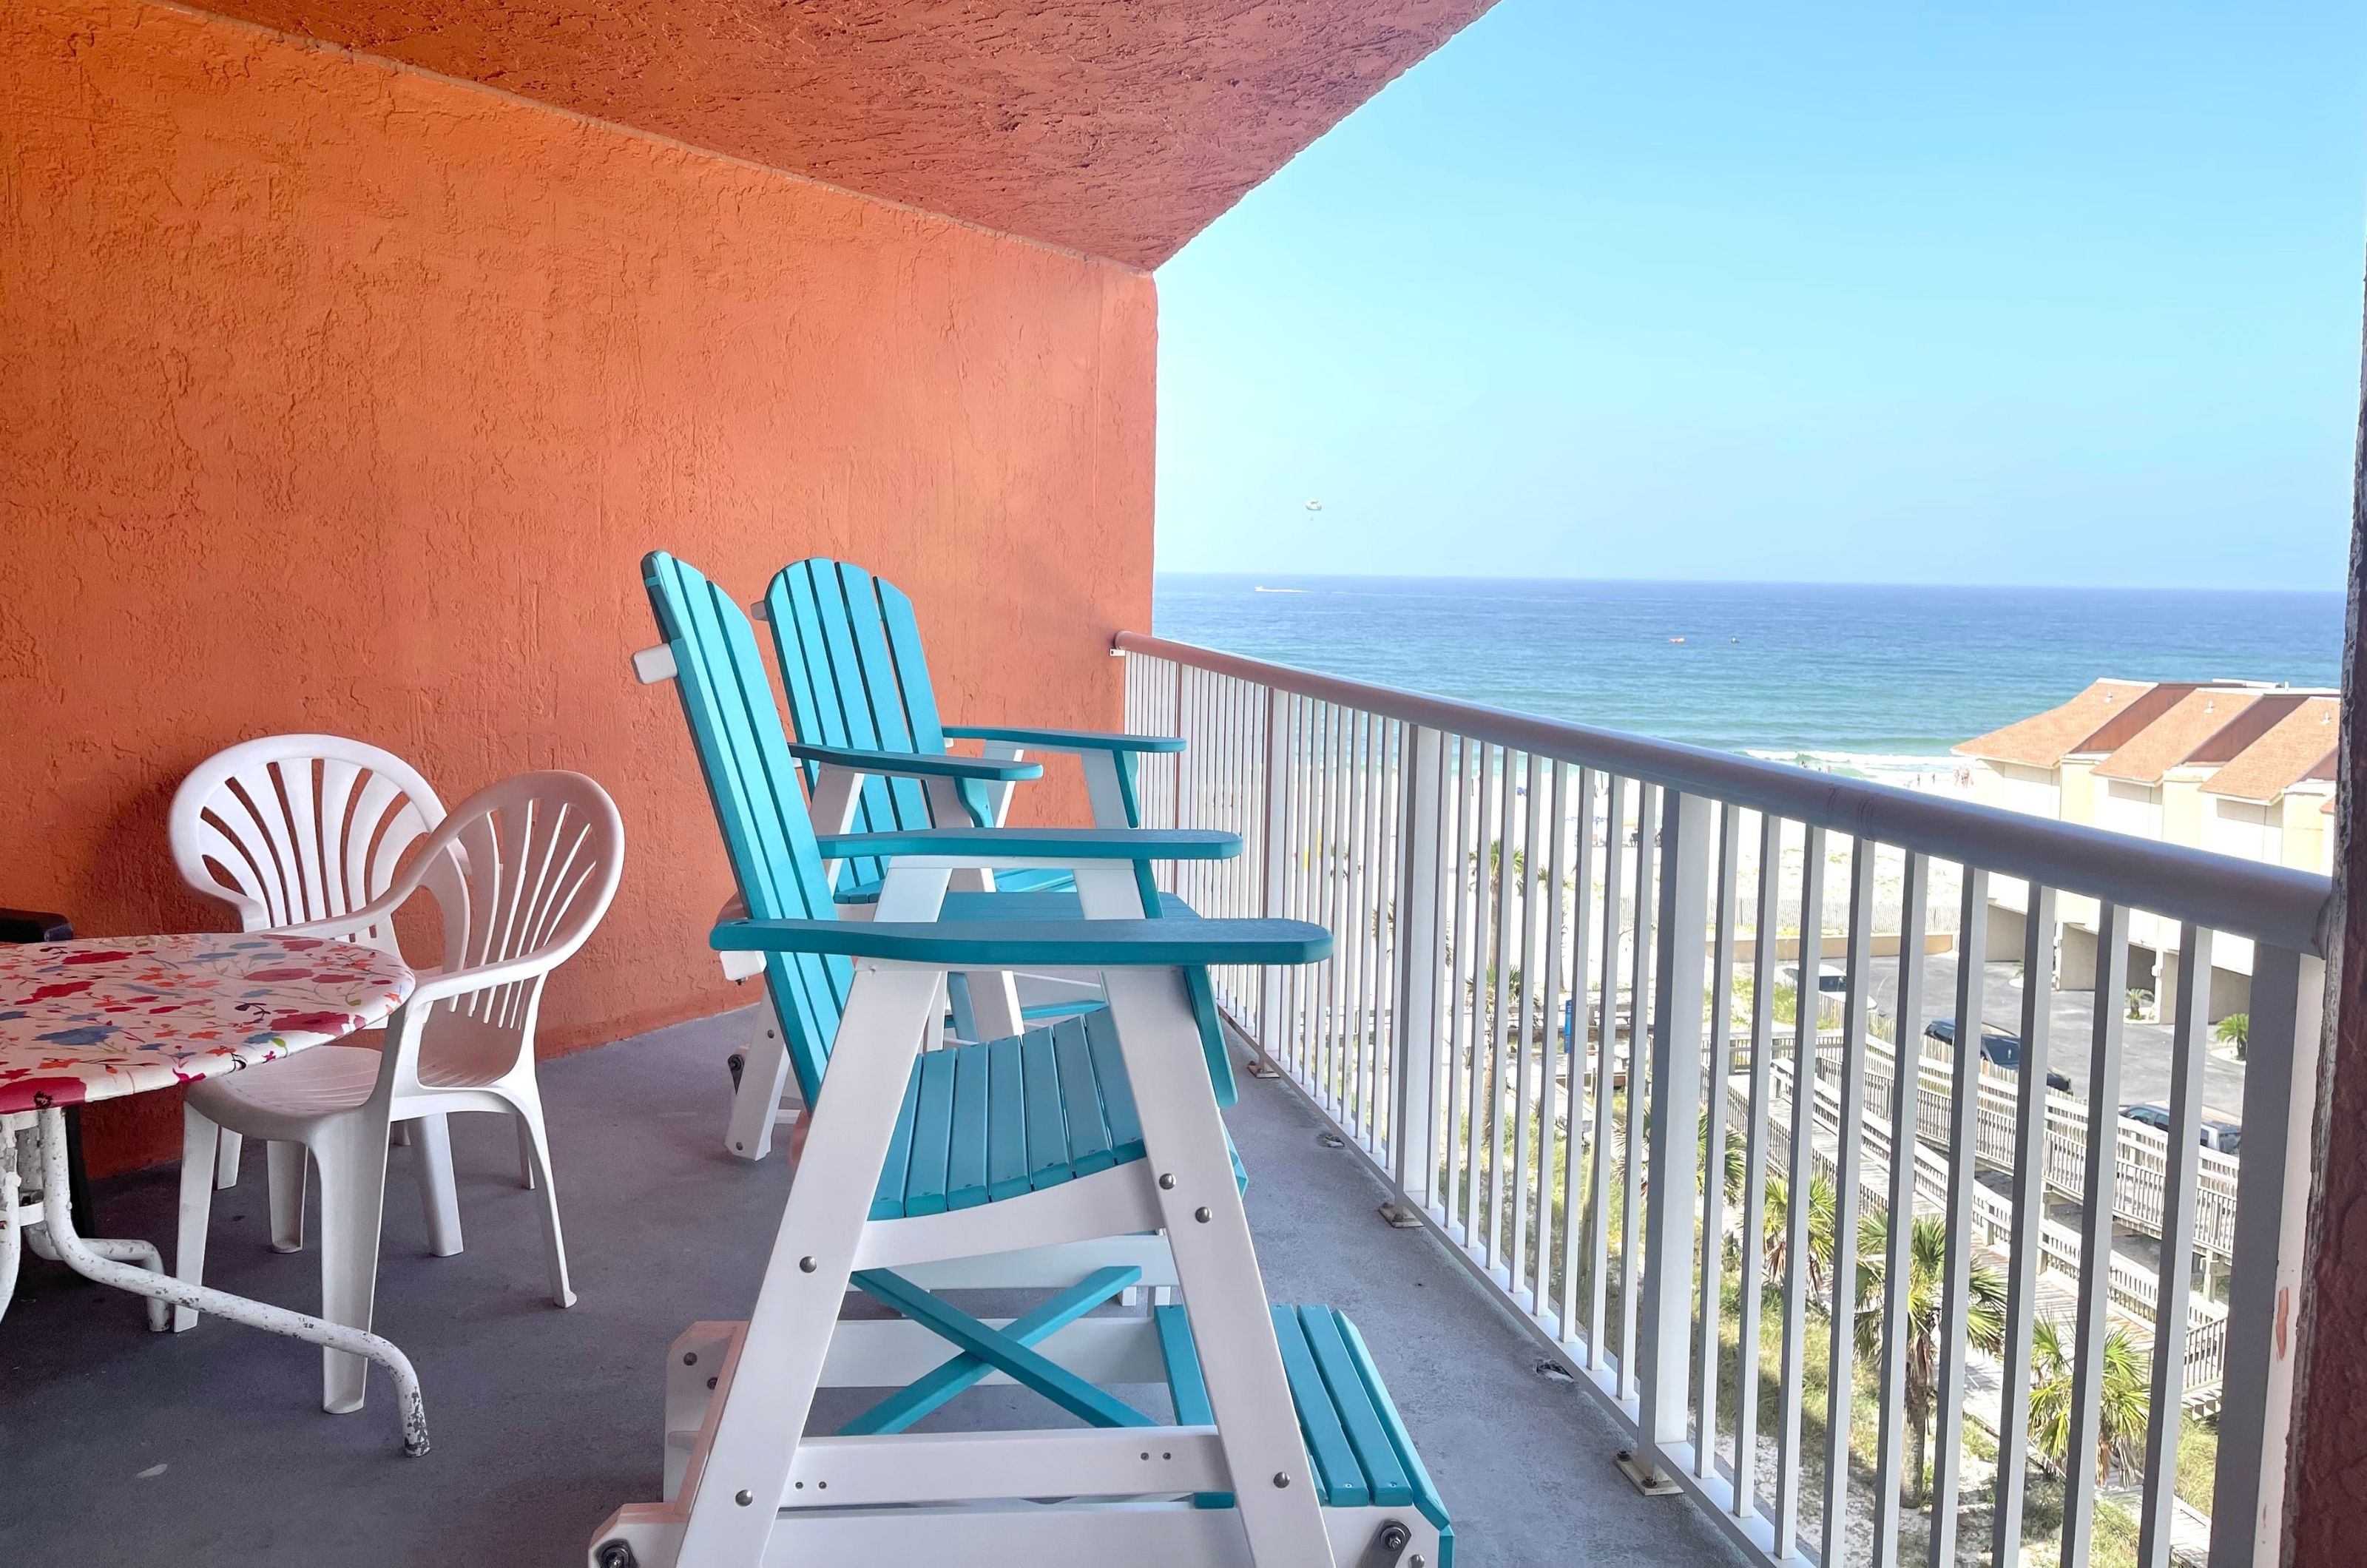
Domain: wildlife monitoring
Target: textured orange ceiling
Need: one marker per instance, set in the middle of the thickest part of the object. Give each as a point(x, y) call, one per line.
point(1119, 128)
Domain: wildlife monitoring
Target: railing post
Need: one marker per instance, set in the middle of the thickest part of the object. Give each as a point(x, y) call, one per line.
point(2272, 1206)
point(1413, 1125)
point(1274, 896)
point(1681, 996)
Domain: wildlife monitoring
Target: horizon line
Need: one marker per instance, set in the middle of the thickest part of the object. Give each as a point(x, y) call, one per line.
point(1158, 572)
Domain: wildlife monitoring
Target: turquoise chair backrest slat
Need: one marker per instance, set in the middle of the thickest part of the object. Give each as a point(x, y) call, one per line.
point(759, 803)
point(850, 654)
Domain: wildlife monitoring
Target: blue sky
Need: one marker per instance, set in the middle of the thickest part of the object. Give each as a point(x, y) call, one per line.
point(1994, 291)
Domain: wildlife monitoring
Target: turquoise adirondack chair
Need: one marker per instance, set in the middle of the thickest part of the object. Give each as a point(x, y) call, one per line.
point(1049, 1148)
point(777, 864)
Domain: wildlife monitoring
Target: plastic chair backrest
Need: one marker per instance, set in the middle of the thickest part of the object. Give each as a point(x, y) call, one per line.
point(290, 828)
point(759, 805)
point(543, 852)
point(849, 651)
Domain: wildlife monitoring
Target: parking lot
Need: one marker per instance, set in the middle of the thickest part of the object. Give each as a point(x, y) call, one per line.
point(2145, 1047)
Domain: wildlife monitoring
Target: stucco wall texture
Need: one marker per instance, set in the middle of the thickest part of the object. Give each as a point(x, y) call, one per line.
point(338, 396)
point(1120, 129)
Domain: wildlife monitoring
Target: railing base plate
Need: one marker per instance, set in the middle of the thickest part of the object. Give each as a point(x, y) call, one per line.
point(1400, 1217)
point(1650, 1482)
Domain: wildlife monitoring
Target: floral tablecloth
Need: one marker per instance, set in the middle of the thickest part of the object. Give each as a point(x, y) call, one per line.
point(111, 1016)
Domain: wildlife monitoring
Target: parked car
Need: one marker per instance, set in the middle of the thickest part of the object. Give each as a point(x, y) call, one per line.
point(1829, 977)
point(2220, 1137)
point(1999, 1049)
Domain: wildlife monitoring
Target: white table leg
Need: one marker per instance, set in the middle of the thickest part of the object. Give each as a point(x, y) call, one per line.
point(21, 1227)
point(167, 1291)
point(11, 1231)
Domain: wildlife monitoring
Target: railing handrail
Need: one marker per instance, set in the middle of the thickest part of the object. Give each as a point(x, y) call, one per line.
point(2278, 905)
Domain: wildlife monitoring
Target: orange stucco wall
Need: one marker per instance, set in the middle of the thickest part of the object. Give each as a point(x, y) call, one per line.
point(336, 396)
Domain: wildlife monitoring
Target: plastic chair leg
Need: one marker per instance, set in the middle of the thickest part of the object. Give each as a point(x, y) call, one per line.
point(351, 1153)
point(525, 1157)
point(537, 1144)
point(226, 1159)
point(201, 1139)
point(284, 1170)
point(438, 1196)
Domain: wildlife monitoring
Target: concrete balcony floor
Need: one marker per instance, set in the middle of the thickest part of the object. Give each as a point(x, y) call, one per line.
point(118, 1446)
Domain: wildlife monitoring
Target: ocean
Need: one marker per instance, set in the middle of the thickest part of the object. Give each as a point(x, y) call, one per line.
point(1870, 682)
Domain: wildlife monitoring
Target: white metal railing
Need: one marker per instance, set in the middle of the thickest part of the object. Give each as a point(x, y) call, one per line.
point(1494, 878)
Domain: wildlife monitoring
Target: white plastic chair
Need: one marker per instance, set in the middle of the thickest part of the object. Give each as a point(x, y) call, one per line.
point(541, 852)
point(295, 828)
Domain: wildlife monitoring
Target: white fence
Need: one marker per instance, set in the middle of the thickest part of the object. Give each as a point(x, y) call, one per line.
point(1484, 870)
point(2133, 1288)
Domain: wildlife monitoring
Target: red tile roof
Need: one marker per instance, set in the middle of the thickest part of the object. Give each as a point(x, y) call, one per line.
point(2174, 737)
point(2295, 749)
point(2044, 740)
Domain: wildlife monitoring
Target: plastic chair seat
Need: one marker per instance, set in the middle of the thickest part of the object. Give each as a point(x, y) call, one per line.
point(293, 1092)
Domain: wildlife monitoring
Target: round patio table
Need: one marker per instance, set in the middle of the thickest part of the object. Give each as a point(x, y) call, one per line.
point(106, 1017)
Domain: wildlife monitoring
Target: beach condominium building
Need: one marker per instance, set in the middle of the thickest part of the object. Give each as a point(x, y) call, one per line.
point(2234, 767)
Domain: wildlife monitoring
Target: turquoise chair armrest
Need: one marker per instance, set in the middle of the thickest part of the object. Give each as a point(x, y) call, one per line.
point(1064, 740)
point(1069, 844)
point(916, 765)
point(1003, 944)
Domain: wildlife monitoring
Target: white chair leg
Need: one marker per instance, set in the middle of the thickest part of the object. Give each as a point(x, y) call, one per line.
point(351, 1153)
point(538, 1147)
point(526, 1155)
point(431, 1145)
point(226, 1158)
point(199, 1141)
point(284, 1171)
point(763, 1074)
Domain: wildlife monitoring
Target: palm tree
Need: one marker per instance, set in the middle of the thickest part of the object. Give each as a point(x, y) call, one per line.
point(1824, 1209)
point(1927, 1260)
point(1732, 1176)
point(2124, 1401)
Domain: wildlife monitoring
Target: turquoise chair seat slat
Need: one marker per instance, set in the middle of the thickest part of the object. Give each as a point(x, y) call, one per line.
point(993, 1121)
point(1048, 1133)
point(1006, 1123)
point(933, 1136)
point(1109, 1071)
point(896, 1171)
point(1089, 1147)
point(966, 1162)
